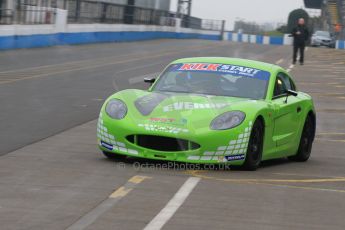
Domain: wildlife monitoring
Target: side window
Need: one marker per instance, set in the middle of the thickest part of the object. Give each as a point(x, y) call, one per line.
point(293, 86)
point(282, 84)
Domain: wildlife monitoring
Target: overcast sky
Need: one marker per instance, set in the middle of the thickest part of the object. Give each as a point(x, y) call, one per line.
point(260, 11)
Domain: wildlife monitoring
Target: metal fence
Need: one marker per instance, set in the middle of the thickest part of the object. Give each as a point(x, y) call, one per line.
point(6, 16)
point(25, 14)
point(89, 11)
point(101, 12)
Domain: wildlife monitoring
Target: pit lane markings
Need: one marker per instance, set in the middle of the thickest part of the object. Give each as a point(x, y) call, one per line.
point(173, 205)
point(331, 140)
point(279, 61)
point(326, 137)
point(85, 61)
point(333, 95)
point(290, 68)
point(321, 137)
point(108, 203)
point(198, 173)
point(86, 67)
point(89, 64)
point(320, 83)
point(275, 182)
point(303, 187)
point(330, 111)
point(331, 133)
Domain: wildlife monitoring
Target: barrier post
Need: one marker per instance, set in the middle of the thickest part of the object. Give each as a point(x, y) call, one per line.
point(61, 20)
point(222, 35)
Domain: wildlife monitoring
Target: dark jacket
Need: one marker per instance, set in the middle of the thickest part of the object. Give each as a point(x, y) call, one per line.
point(302, 38)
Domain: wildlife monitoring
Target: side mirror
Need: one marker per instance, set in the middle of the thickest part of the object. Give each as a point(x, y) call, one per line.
point(290, 92)
point(149, 80)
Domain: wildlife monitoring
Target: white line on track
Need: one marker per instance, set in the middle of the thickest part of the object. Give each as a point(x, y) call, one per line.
point(290, 68)
point(173, 205)
point(89, 218)
point(279, 61)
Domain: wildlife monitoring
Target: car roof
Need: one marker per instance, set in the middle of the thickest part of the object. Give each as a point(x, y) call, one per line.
point(231, 61)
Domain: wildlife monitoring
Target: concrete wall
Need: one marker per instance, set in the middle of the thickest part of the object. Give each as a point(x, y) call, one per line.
point(340, 44)
point(61, 33)
point(268, 40)
point(258, 39)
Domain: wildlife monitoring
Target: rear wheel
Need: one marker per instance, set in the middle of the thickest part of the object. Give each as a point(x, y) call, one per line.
point(306, 142)
point(255, 147)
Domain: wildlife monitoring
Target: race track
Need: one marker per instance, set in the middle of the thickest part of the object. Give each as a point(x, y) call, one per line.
point(52, 175)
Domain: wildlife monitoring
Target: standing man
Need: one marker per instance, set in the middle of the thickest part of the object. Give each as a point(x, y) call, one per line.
point(300, 36)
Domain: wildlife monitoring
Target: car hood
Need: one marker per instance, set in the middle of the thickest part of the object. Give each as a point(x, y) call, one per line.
point(178, 108)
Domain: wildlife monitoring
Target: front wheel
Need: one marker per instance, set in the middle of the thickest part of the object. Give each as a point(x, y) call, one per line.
point(255, 147)
point(306, 142)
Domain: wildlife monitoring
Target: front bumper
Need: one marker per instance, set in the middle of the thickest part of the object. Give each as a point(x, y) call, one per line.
point(323, 43)
point(224, 146)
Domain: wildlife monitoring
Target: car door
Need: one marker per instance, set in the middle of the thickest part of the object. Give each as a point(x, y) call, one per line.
point(287, 111)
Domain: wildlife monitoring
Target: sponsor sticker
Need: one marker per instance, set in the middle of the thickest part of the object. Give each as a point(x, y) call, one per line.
point(166, 129)
point(106, 145)
point(234, 157)
point(193, 106)
point(162, 120)
point(234, 70)
point(173, 121)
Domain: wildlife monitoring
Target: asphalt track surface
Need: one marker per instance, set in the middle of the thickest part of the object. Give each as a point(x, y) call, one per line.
point(52, 175)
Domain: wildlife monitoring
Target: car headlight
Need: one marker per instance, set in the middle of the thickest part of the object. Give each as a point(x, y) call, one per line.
point(228, 120)
point(116, 109)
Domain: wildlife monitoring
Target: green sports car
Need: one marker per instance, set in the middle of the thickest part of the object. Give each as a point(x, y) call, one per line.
point(211, 110)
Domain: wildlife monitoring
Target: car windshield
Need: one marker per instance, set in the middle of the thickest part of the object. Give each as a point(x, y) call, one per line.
point(323, 33)
point(214, 79)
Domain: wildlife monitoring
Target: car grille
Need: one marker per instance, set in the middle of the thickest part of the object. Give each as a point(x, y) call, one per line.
point(161, 143)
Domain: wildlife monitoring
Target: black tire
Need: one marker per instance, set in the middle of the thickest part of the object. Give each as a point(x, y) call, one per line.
point(306, 141)
point(114, 156)
point(255, 147)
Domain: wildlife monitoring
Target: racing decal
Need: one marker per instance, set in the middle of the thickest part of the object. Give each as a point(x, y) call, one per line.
point(165, 129)
point(173, 121)
point(235, 70)
point(206, 158)
point(162, 120)
point(200, 66)
point(146, 104)
point(234, 157)
point(109, 141)
point(195, 158)
point(233, 151)
point(193, 106)
point(106, 145)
